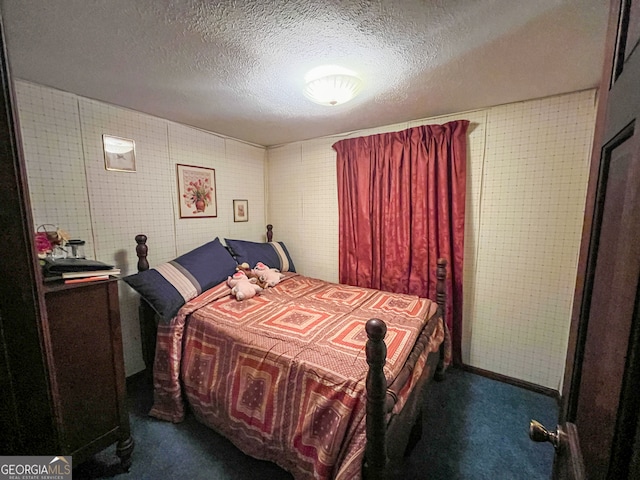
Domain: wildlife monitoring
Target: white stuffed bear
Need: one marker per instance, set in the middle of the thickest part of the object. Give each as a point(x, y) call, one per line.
point(242, 287)
point(270, 276)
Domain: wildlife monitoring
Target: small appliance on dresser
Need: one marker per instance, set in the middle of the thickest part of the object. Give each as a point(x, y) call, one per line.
point(83, 341)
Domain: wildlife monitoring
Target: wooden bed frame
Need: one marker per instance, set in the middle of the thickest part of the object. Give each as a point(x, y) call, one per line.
point(388, 442)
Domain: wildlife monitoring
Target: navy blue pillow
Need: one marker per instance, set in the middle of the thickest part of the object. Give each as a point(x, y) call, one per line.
point(272, 254)
point(168, 286)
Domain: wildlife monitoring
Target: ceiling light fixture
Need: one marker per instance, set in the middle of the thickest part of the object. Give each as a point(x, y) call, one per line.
point(331, 85)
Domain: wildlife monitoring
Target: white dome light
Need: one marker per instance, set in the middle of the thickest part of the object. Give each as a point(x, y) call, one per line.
point(330, 85)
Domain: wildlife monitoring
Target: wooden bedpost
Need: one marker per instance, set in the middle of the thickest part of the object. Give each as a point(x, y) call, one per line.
point(375, 460)
point(441, 300)
point(269, 233)
point(141, 252)
point(146, 315)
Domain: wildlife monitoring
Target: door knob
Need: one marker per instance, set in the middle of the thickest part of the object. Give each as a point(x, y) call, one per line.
point(538, 433)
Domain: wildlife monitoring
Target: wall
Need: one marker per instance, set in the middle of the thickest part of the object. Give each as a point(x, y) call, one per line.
point(527, 176)
point(70, 188)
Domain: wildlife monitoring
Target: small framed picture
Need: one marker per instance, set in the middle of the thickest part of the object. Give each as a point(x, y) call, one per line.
point(241, 210)
point(119, 154)
point(197, 191)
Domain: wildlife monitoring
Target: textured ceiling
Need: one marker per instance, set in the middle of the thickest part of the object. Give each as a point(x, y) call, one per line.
point(237, 67)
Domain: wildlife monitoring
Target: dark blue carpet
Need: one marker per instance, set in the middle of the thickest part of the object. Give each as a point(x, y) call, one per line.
point(474, 428)
point(478, 429)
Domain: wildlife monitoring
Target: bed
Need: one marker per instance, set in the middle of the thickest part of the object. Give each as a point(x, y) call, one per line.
point(325, 380)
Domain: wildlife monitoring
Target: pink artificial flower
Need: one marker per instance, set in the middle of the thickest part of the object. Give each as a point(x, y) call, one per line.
point(43, 245)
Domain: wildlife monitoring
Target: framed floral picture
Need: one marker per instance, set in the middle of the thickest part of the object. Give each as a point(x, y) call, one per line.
point(196, 191)
point(241, 210)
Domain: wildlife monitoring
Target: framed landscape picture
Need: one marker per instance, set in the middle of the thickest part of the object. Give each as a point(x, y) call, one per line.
point(196, 191)
point(241, 210)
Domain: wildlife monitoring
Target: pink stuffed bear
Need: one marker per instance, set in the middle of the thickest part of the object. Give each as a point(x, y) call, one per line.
point(242, 287)
point(271, 276)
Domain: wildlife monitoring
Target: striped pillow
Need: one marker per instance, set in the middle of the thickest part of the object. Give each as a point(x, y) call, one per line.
point(273, 254)
point(168, 286)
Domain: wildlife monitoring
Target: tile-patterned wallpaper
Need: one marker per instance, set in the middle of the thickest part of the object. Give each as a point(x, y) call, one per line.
point(530, 224)
point(70, 187)
point(527, 175)
point(55, 140)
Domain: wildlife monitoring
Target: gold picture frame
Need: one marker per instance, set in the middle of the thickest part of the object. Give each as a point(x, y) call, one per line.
point(119, 154)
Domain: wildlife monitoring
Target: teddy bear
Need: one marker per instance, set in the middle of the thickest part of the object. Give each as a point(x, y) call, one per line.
point(242, 287)
point(271, 276)
point(244, 267)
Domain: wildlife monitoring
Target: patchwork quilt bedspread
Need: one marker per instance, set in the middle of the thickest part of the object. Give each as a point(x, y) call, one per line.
point(282, 375)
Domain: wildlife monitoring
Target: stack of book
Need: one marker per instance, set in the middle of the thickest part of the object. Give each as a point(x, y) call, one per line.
point(73, 270)
point(89, 276)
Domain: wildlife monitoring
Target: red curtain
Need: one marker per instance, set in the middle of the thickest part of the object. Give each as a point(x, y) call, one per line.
point(401, 200)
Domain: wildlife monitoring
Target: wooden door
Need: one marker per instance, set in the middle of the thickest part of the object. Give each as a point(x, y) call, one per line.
point(600, 412)
point(26, 417)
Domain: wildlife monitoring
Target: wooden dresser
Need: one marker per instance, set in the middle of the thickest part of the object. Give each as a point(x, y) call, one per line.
point(86, 369)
